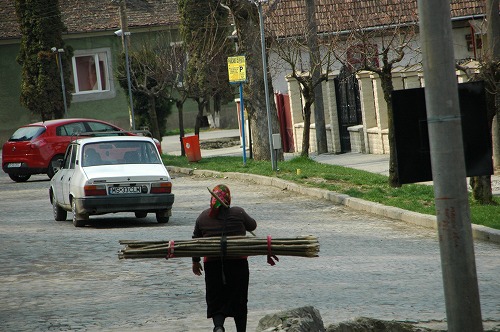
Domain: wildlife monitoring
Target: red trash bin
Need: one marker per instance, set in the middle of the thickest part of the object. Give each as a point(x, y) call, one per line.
point(192, 147)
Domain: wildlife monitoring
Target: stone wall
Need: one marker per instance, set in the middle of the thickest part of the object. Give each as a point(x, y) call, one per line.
point(331, 116)
point(356, 134)
point(372, 135)
point(298, 135)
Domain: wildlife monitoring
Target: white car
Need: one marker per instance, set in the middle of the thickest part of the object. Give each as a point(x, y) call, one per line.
point(111, 174)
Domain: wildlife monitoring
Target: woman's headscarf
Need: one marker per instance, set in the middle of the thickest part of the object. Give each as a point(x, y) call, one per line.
point(223, 194)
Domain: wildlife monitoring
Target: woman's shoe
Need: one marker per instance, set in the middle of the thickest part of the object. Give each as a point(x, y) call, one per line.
point(219, 329)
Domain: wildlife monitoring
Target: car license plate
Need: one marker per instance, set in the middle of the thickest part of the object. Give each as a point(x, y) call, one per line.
point(14, 165)
point(124, 190)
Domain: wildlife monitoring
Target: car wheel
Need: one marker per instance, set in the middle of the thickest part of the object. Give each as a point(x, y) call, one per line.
point(53, 166)
point(19, 177)
point(79, 219)
point(163, 216)
point(141, 214)
point(59, 213)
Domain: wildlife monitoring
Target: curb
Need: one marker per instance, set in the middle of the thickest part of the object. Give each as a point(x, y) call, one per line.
point(425, 220)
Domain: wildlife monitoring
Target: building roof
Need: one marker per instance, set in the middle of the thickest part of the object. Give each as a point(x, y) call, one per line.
point(334, 15)
point(84, 16)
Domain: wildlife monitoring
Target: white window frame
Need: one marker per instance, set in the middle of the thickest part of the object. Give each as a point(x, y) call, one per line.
point(99, 93)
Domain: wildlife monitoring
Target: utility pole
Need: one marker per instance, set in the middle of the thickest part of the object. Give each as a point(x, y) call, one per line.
point(123, 20)
point(458, 265)
point(125, 35)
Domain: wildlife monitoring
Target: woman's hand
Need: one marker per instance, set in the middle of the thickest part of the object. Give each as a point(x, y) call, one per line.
point(197, 268)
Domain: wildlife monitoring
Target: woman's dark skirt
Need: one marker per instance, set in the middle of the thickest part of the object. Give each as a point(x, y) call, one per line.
point(229, 299)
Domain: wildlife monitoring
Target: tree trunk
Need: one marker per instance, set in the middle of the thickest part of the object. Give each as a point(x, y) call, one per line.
point(201, 106)
point(153, 118)
point(315, 65)
point(496, 140)
point(209, 114)
point(481, 185)
point(387, 88)
point(180, 110)
point(212, 114)
point(246, 18)
point(217, 109)
point(481, 189)
point(306, 136)
point(493, 47)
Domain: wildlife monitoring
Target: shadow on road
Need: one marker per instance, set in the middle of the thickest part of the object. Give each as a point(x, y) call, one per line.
point(118, 222)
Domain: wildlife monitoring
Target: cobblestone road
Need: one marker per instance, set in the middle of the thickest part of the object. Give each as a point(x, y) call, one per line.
point(55, 277)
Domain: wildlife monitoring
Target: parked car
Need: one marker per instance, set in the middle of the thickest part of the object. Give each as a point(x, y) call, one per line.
point(101, 175)
point(37, 147)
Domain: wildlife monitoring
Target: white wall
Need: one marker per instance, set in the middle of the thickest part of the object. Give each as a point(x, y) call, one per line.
point(375, 135)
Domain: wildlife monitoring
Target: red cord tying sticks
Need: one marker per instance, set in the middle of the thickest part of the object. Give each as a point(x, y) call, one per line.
point(170, 250)
point(270, 255)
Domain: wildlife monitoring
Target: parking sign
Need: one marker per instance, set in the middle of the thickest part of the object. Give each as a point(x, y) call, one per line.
point(236, 67)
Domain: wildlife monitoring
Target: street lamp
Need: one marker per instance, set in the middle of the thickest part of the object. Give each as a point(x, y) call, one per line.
point(63, 88)
point(120, 33)
point(266, 86)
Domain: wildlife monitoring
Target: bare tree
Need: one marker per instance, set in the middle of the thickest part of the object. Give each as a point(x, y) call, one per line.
point(207, 75)
point(493, 32)
point(178, 88)
point(246, 18)
point(205, 31)
point(378, 49)
point(307, 65)
point(489, 72)
point(152, 74)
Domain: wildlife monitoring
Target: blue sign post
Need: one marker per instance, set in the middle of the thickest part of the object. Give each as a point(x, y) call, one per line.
point(237, 74)
point(242, 112)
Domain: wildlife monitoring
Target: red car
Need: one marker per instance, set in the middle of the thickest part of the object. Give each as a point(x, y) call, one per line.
point(37, 148)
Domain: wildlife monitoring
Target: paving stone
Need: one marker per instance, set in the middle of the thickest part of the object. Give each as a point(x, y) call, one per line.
point(54, 276)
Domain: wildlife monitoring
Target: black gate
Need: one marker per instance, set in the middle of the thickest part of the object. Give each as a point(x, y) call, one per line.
point(348, 105)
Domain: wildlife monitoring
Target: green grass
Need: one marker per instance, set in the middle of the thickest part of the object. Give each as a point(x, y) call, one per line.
point(355, 183)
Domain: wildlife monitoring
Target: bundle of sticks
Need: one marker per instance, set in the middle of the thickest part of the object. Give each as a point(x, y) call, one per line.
point(303, 246)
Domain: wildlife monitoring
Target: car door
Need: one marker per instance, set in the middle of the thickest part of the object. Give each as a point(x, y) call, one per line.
point(69, 171)
point(61, 174)
point(65, 134)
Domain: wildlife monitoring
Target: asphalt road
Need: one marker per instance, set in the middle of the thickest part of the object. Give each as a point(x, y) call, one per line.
point(55, 277)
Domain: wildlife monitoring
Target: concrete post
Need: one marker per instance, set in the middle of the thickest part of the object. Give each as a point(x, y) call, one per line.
point(333, 114)
point(458, 265)
point(382, 116)
point(411, 80)
point(398, 78)
point(367, 105)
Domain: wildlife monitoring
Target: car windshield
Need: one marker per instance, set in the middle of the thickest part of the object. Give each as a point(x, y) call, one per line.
point(26, 133)
point(119, 152)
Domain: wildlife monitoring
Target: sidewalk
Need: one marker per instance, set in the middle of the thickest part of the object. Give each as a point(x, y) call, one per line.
point(374, 163)
point(172, 144)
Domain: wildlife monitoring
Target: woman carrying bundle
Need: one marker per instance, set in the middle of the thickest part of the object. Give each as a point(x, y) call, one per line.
point(226, 278)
